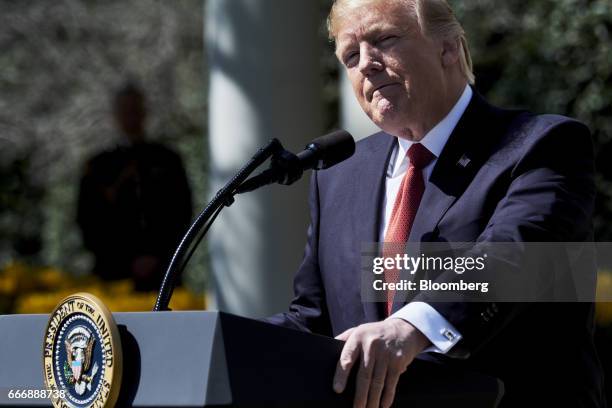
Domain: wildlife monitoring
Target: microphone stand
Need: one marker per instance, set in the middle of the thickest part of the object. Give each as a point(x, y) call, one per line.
point(197, 230)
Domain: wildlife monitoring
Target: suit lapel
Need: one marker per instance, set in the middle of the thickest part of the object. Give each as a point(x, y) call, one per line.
point(370, 184)
point(454, 170)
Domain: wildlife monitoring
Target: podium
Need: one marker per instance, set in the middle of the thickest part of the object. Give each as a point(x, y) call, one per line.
point(215, 359)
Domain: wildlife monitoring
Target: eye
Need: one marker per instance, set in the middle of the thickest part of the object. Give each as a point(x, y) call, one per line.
point(387, 40)
point(351, 59)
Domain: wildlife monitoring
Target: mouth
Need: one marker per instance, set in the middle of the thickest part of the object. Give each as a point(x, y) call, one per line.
point(380, 88)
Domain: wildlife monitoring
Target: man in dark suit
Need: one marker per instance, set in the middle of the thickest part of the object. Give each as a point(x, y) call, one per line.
point(134, 200)
point(447, 167)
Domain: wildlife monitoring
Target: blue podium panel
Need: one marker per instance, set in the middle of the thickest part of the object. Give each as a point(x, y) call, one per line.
point(197, 359)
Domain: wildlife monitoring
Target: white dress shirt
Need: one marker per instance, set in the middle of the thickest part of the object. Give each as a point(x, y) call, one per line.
point(442, 335)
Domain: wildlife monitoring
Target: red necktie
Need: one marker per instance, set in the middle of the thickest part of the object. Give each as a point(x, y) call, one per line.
point(404, 210)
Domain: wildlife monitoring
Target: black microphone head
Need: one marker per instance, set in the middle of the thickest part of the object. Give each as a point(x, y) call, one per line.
point(332, 148)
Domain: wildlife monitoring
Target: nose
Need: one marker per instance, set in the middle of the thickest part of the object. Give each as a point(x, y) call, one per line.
point(369, 62)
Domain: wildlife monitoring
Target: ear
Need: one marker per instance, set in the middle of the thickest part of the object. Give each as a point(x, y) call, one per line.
point(450, 51)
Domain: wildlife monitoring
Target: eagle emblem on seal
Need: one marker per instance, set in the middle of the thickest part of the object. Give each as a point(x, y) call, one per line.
point(79, 348)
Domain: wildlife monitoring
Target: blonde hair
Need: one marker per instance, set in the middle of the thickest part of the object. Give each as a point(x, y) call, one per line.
point(435, 19)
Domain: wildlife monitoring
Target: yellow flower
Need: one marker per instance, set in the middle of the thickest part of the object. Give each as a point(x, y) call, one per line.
point(121, 287)
point(40, 289)
point(39, 302)
point(51, 278)
point(15, 269)
point(604, 285)
point(603, 313)
point(8, 285)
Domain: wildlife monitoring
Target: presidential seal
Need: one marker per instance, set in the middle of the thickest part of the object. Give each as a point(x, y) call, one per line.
point(82, 354)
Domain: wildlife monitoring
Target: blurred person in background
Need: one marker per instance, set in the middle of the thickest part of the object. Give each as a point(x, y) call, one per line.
point(134, 201)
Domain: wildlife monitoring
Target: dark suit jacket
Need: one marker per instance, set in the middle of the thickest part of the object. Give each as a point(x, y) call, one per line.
point(529, 178)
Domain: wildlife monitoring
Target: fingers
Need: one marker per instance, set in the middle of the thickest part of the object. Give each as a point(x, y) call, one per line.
point(383, 358)
point(378, 382)
point(345, 334)
point(350, 353)
point(390, 386)
point(364, 378)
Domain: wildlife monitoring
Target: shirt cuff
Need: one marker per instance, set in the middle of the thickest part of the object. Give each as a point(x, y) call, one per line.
point(442, 335)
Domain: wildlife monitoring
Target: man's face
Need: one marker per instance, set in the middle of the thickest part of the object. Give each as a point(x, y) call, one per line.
point(395, 71)
point(130, 115)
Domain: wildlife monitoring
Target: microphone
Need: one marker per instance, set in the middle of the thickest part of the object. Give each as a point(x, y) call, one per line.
point(286, 168)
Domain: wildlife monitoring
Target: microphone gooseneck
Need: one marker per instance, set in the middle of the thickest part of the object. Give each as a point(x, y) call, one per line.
point(285, 168)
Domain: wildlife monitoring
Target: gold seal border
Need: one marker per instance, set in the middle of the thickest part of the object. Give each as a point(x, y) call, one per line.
point(112, 375)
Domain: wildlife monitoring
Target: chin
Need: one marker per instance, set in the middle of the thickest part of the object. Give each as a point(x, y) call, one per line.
point(390, 122)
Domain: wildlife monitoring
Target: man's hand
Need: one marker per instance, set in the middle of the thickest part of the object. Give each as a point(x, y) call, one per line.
point(384, 351)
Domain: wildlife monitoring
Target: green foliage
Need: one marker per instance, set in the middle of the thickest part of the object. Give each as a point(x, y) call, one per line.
point(20, 219)
point(550, 56)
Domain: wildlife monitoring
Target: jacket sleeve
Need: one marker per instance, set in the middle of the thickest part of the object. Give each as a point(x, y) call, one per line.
point(308, 309)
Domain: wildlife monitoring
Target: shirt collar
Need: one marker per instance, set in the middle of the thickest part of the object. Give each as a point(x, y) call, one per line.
point(436, 138)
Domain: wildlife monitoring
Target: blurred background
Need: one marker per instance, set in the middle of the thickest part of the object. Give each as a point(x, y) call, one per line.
point(61, 68)
point(120, 119)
